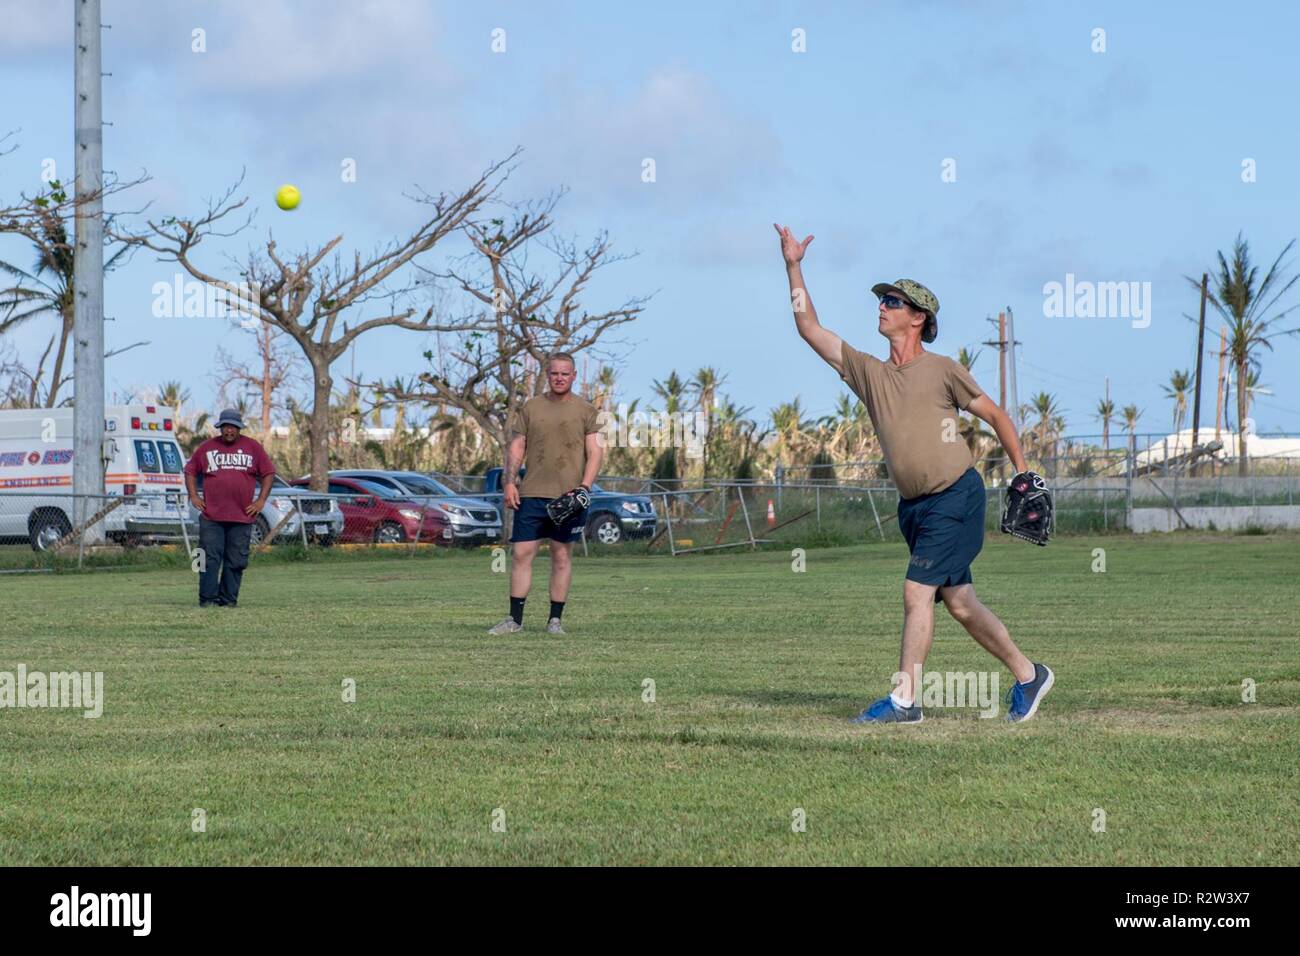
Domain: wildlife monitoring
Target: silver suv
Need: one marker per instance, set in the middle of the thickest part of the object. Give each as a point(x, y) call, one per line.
point(321, 513)
point(472, 520)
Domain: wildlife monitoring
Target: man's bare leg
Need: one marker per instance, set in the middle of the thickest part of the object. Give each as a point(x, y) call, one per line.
point(918, 635)
point(561, 569)
point(521, 567)
point(987, 629)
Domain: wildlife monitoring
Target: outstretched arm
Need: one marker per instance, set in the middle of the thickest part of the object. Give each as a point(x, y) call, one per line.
point(823, 341)
point(985, 408)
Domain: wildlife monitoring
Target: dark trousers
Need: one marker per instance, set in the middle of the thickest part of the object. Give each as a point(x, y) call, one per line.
point(225, 555)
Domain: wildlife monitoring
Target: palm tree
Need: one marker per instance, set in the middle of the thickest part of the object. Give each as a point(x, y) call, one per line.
point(1044, 405)
point(1253, 388)
point(790, 426)
point(672, 390)
point(1131, 415)
point(1180, 380)
point(1105, 411)
point(1244, 301)
point(705, 385)
point(739, 441)
point(47, 290)
point(602, 389)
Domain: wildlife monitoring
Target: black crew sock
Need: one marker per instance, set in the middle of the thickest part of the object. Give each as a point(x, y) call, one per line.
point(557, 609)
point(517, 608)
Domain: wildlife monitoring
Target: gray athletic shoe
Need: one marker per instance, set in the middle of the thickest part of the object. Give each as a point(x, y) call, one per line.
point(508, 626)
point(553, 626)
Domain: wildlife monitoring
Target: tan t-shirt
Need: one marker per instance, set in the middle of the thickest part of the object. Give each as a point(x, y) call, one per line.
point(555, 443)
point(914, 408)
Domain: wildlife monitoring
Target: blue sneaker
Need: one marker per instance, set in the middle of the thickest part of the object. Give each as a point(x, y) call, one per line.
point(1023, 699)
point(885, 711)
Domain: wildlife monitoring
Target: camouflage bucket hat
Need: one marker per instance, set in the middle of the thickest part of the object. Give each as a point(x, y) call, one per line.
point(920, 298)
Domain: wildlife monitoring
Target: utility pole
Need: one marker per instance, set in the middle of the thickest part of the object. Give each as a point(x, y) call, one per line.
point(1218, 404)
point(1200, 354)
point(88, 276)
point(1001, 344)
point(1014, 397)
point(1105, 424)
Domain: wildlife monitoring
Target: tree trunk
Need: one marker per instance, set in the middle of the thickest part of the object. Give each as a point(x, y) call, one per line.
point(1241, 417)
point(58, 359)
point(320, 429)
point(265, 334)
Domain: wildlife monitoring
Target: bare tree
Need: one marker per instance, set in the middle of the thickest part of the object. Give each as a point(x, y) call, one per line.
point(524, 314)
point(46, 221)
point(275, 366)
point(307, 296)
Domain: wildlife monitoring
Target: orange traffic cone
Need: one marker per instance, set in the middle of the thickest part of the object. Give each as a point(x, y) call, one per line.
point(771, 514)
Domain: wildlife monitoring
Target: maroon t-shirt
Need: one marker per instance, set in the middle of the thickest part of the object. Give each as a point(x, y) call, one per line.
point(231, 476)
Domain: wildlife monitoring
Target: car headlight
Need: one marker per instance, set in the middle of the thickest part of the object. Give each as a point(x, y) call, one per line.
point(282, 504)
point(632, 506)
point(455, 511)
point(334, 505)
point(409, 513)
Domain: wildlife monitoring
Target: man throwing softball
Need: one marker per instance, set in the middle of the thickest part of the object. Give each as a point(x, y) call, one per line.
point(913, 399)
point(557, 435)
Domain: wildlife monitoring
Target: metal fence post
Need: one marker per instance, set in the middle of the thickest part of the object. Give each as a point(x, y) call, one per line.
point(668, 516)
point(1128, 482)
point(875, 514)
point(185, 532)
point(748, 527)
point(819, 507)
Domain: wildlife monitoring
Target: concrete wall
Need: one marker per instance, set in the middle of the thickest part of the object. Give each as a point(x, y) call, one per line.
point(1223, 518)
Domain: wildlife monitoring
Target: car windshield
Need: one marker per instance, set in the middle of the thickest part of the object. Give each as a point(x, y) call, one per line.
point(374, 488)
point(424, 485)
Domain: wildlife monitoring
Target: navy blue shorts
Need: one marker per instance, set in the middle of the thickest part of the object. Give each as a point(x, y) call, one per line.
point(944, 532)
point(532, 523)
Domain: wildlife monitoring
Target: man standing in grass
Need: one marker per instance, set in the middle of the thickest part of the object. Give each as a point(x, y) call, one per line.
point(557, 434)
point(913, 400)
point(231, 466)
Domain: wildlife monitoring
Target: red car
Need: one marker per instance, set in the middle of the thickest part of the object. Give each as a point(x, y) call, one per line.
point(371, 513)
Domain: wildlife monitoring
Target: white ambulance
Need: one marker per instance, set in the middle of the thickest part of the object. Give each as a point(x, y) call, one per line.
point(142, 462)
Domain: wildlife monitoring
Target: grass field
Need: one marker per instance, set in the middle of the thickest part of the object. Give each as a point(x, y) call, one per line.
point(756, 667)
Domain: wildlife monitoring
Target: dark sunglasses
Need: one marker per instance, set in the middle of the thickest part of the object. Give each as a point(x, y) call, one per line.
point(894, 302)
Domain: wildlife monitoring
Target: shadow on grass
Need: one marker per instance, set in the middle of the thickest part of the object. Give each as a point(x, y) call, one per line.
point(830, 702)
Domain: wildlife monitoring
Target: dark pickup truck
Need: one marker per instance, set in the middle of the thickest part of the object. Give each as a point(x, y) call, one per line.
point(611, 517)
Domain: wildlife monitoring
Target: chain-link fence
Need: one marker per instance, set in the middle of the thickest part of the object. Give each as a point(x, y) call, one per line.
point(47, 529)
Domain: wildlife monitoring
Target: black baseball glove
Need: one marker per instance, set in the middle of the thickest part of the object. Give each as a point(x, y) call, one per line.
point(1028, 513)
point(561, 509)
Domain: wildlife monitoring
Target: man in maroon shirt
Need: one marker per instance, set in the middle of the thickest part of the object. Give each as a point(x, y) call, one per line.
point(230, 466)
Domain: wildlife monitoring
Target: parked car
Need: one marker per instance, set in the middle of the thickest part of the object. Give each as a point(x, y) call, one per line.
point(322, 514)
point(611, 517)
point(473, 520)
point(376, 513)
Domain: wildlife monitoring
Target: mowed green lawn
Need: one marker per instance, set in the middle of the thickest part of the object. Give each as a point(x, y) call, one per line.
point(756, 669)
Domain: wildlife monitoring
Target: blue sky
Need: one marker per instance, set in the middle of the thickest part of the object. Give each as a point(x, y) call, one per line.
point(1117, 166)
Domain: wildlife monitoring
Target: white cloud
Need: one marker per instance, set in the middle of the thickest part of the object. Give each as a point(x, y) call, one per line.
point(35, 26)
point(705, 149)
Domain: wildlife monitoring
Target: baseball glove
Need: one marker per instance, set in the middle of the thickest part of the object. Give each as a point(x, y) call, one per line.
point(1028, 513)
point(563, 508)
